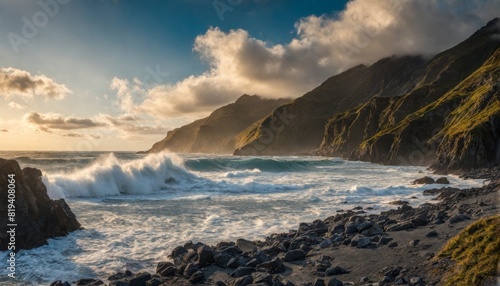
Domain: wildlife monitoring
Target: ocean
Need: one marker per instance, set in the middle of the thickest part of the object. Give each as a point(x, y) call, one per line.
point(136, 208)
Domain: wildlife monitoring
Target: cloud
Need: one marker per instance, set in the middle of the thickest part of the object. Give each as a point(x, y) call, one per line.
point(4, 130)
point(127, 124)
point(15, 105)
point(49, 121)
point(16, 82)
point(364, 32)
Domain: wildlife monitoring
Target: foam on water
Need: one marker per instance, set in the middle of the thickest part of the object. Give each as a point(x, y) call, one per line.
point(136, 208)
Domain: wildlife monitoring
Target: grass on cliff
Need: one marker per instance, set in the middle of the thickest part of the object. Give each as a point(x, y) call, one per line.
point(476, 252)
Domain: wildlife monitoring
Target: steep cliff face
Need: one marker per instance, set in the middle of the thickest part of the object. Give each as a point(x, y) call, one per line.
point(471, 135)
point(217, 132)
point(38, 218)
point(458, 89)
point(298, 127)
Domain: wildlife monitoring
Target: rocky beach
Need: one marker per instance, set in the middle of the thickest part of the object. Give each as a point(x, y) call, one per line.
point(401, 246)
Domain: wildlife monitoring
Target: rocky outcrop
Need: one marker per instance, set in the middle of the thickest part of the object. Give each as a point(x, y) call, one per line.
point(449, 119)
point(37, 217)
point(217, 132)
point(298, 127)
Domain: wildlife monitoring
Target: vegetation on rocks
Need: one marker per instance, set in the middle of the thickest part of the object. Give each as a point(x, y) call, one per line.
point(476, 252)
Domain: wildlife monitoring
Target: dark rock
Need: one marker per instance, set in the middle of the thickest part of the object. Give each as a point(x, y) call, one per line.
point(274, 266)
point(233, 263)
point(155, 281)
point(89, 282)
point(424, 181)
point(190, 269)
point(197, 277)
point(393, 244)
point(246, 245)
point(220, 283)
point(398, 203)
point(319, 282)
point(400, 281)
point(364, 225)
point(119, 283)
point(165, 268)
point(222, 259)
point(335, 282)
point(242, 271)
point(271, 250)
point(443, 181)
point(140, 279)
point(205, 256)
point(405, 209)
point(120, 275)
point(374, 230)
point(295, 255)
point(223, 244)
point(363, 242)
point(38, 217)
point(260, 277)
point(400, 226)
point(243, 281)
point(364, 280)
point(60, 283)
point(393, 273)
point(231, 250)
point(178, 251)
point(252, 263)
point(261, 256)
point(351, 228)
point(335, 271)
point(189, 257)
point(458, 218)
point(325, 243)
point(432, 233)
point(384, 240)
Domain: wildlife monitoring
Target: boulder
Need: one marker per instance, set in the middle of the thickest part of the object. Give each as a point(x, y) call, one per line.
point(246, 245)
point(335, 282)
point(274, 266)
point(242, 271)
point(458, 218)
point(197, 277)
point(295, 255)
point(335, 271)
point(443, 181)
point(424, 181)
point(38, 217)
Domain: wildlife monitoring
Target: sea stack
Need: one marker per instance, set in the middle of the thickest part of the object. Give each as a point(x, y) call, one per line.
point(37, 217)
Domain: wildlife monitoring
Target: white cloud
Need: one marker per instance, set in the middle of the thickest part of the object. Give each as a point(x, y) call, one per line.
point(15, 105)
point(16, 82)
point(366, 31)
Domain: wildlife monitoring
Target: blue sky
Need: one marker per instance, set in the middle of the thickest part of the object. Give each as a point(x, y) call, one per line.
point(125, 72)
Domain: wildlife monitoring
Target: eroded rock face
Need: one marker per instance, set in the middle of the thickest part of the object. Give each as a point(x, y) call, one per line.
point(450, 119)
point(38, 217)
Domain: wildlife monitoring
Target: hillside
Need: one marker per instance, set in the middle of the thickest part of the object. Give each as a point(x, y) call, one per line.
point(217, 132)
point(298, 127)
point(450, 119)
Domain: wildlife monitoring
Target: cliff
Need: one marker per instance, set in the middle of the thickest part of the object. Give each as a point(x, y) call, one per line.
point(450, 119)
point(38, 218)
point(298, 127)
point(217, 132)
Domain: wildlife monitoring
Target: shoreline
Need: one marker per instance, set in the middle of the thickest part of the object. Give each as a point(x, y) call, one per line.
point(352, 246)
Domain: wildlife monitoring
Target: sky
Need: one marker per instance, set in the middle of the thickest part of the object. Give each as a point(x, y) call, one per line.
point(116, 75)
